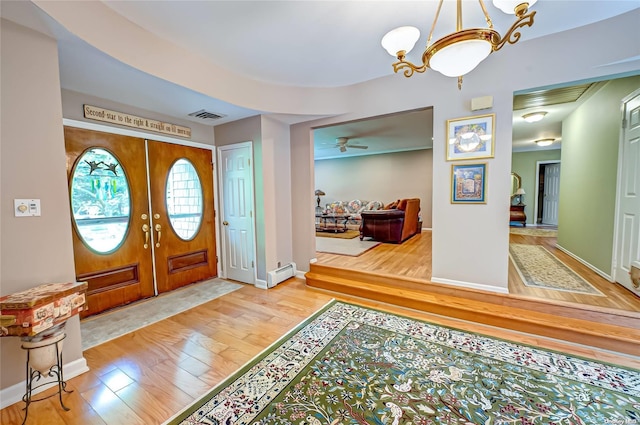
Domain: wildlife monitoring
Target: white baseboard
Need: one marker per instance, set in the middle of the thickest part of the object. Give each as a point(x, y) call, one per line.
point(591, 266)
point(261, 284)
point(470, 285)
point(300, 274)
point(14, 393)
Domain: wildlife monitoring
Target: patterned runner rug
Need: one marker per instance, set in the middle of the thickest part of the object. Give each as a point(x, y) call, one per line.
point(548, 233)
point(539, 268)
point(353, 365)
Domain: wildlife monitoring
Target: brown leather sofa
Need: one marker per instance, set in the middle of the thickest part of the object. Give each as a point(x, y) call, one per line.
point(392, 225)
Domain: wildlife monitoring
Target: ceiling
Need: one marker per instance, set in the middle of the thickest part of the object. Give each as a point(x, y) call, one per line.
point(294, 43)
point(400, 132)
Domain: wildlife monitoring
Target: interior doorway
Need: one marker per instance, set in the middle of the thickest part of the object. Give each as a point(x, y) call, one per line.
point(140, 227)
point(237, 205)
point(627, 237)
point(547, 194)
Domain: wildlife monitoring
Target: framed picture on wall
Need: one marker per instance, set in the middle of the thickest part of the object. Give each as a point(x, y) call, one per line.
point(470, 137)
point(468, 184)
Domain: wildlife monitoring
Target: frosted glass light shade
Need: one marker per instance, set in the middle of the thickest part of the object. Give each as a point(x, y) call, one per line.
point(509, 6)
point(534, 116)
point(460, 58)
point(544, 142)
point(401, 38)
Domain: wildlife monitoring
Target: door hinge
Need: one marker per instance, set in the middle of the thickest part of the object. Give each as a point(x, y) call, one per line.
point(250, 214)
point(249, 162)
point(252, 264)
point(217, 259)
point(624, 123)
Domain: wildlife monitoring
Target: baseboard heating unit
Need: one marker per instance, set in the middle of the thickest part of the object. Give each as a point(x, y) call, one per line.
point(280, 274)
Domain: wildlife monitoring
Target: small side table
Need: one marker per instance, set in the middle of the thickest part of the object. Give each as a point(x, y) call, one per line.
point(517, 215)
point(44, 359)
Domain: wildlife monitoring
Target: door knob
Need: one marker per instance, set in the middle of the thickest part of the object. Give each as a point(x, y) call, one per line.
point(225, 223)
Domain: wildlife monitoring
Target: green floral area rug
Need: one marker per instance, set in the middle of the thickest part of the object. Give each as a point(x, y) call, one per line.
point(353, 365)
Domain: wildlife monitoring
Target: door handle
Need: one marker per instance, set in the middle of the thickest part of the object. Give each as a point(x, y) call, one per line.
point(145, 229)
point(159, 230)
point(225, 223)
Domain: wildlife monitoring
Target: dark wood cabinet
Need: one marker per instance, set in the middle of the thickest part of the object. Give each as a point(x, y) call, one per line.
point(517, 215)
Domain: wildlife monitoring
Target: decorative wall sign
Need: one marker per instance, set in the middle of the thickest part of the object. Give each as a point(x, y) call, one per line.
point(468, 184)
point(106, 115)
point(470, 137)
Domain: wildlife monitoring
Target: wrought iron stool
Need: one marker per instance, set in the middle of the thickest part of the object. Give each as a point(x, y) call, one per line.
point(44, 359)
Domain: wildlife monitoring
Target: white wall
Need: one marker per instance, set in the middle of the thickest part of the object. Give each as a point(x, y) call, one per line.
point(276, 177)
point(383, 178)
point(35, 250)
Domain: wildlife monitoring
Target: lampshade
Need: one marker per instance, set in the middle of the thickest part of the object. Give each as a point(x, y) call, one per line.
point(520, 191)
point(447, 59)
point(534, 116)
point(318, 192)
point(544, 142)
point(401, 39)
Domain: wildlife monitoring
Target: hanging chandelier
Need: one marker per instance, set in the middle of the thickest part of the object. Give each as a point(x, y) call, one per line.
point(458, 53)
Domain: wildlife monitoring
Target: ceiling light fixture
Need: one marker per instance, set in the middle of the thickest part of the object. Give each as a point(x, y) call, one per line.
point(534, 116)
point(544, 142)
point(458, 53)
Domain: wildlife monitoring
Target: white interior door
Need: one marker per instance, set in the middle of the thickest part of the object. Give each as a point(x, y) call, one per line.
point(236, 175)
point(628, 232)
point(551, 194)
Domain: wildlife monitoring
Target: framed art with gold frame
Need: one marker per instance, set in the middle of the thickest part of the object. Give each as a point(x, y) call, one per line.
point(468, 183)
point(471, 137)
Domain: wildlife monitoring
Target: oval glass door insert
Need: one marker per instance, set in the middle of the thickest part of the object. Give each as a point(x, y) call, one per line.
point(100, 200)
point(184, 199)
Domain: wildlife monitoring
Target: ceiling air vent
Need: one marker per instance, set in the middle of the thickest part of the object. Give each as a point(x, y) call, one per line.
point(205, 115)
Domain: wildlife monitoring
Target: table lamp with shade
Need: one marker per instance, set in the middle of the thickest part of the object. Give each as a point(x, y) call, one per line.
point(519, 193)
point(319, 193)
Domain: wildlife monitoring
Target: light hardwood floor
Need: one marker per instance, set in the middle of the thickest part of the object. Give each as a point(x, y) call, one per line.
point(412, 259)
point(147, 376)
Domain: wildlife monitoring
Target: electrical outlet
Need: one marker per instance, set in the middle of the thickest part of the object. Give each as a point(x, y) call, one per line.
point(26, 207)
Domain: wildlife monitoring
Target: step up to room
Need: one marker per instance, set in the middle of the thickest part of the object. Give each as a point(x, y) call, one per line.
point(609, 329)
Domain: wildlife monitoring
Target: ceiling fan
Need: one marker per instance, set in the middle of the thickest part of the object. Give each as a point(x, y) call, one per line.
point(343, 144)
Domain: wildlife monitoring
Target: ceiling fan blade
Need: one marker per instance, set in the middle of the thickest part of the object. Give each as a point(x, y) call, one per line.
point(357, 147)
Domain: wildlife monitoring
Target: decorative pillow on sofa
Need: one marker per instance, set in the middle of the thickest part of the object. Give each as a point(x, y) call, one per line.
point(374, 205)
point(354, 206)
point(392, 206)
point(336, 207)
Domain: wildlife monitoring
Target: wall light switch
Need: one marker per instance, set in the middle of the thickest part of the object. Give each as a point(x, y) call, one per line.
point(26, 207)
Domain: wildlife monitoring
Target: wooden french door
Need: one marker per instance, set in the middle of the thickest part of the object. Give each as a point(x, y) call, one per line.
point(120, 233)
point(185, 250)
